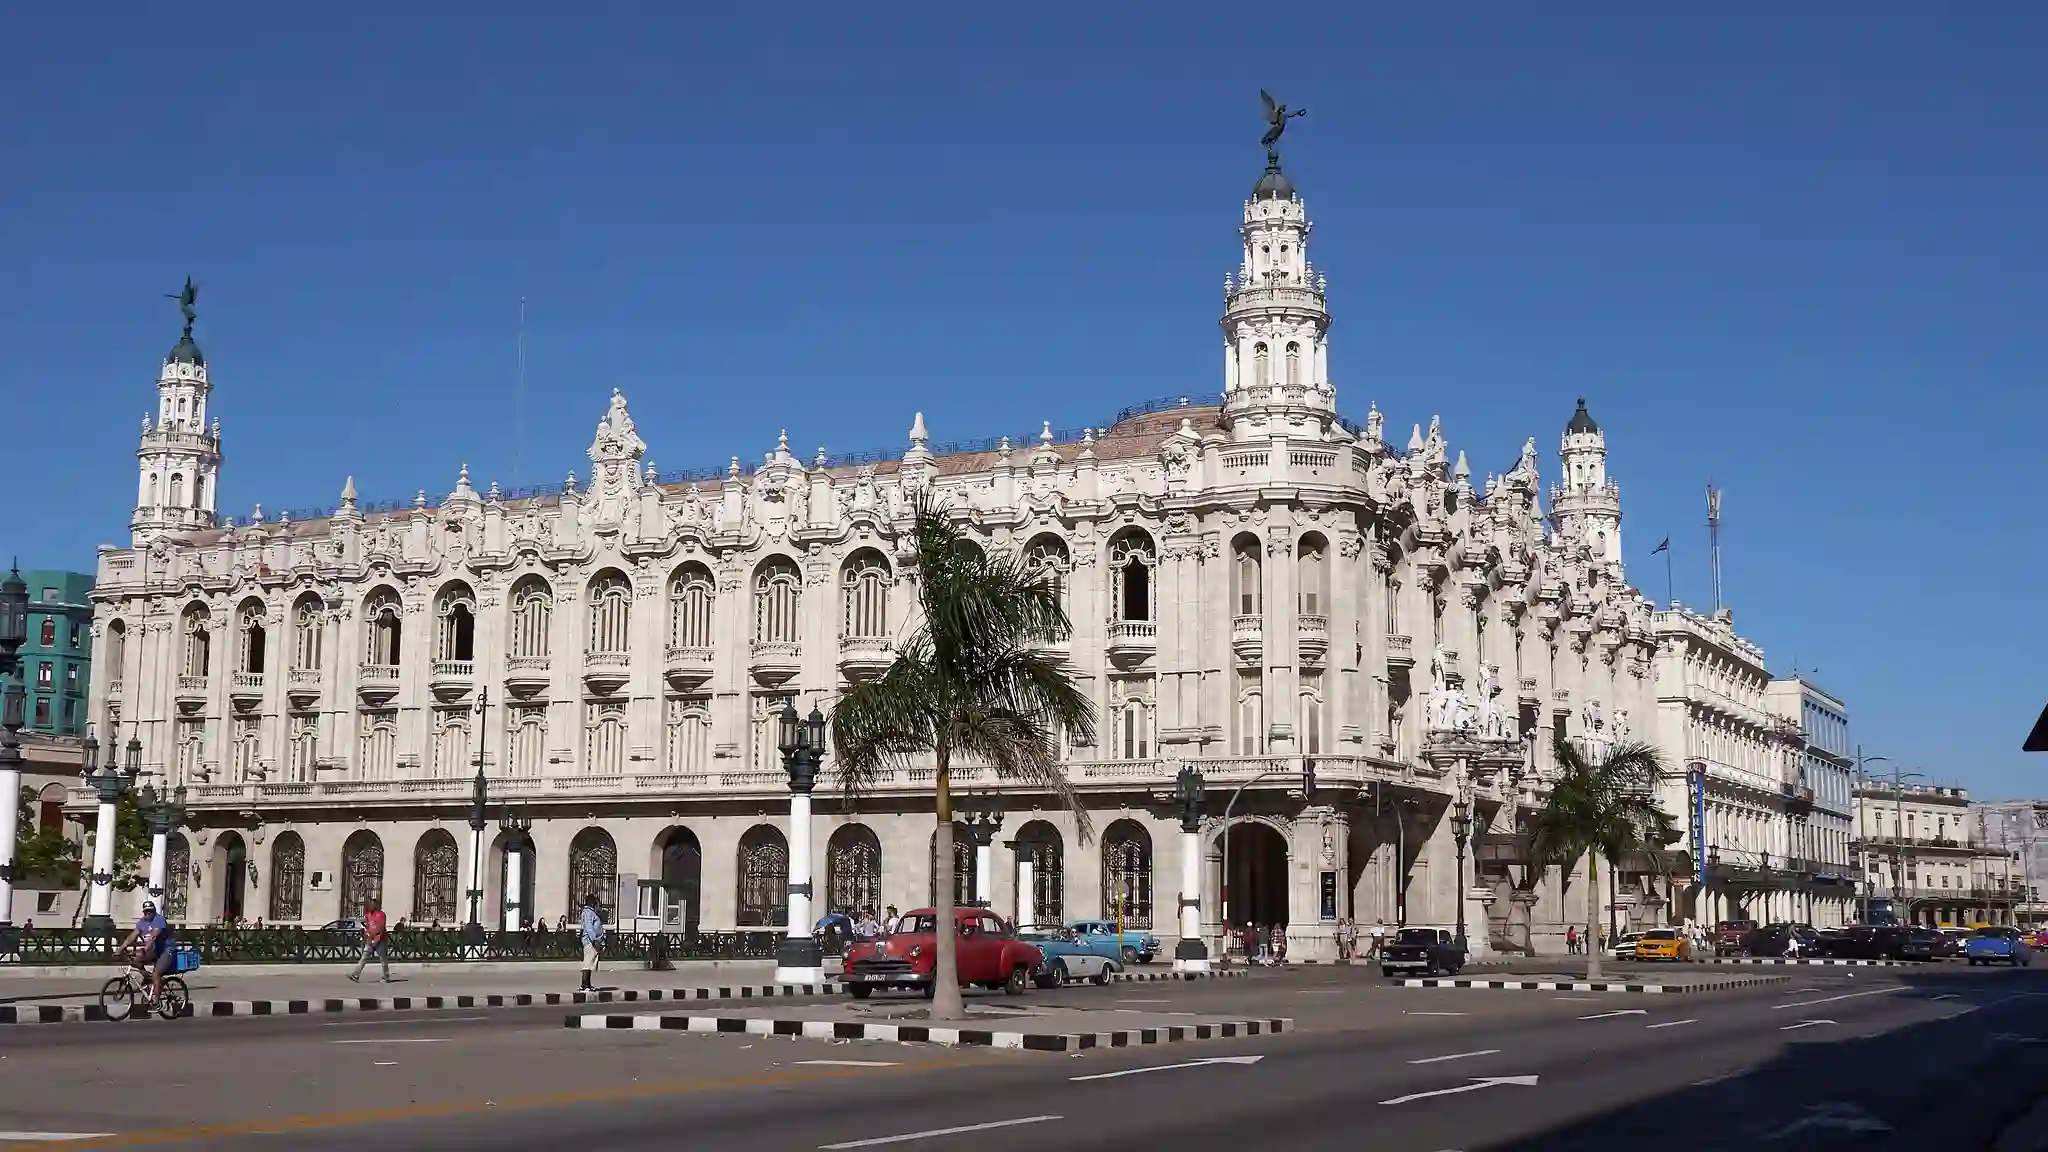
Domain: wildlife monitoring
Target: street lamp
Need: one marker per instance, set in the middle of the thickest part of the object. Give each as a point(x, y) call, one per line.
point(516, 826)
point(983, 817)
point(797, 958)
point(165, 815)
point(13, 634)
point(1190, 955)
point(109, 782)
point(473, 939)
point(1461, 828)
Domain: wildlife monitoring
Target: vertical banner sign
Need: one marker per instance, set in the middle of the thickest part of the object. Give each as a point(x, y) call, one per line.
point(1328, 897)
point(1698, 777)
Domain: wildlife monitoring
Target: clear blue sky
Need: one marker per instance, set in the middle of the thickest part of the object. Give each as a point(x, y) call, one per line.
point(1797, 249)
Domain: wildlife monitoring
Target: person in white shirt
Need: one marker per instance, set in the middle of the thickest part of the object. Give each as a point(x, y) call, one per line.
point(1379, 937)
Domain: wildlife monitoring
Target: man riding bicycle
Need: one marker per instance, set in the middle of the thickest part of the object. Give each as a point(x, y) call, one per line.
point(150, 944)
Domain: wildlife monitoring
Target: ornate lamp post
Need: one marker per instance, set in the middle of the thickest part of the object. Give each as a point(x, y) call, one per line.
point(983, 816)
point(165, 816)
point(480, 796)
point(1190, 955)
point(13, 634)
point(798, 959)
point(517, 827)
point(109, 781)
point(1461, 828)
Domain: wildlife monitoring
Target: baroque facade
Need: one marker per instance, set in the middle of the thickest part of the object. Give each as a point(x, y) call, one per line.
point(1257, 587)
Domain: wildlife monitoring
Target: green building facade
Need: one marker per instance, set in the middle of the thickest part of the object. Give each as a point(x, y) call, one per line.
point(56, 663)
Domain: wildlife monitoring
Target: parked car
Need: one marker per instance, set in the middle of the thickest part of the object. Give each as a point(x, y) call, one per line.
point(2041, 939)
point(1071, 955)
point(1135, 945)
point(1954, 940)
point(1729, 936)
point(1623, 947)
point(1422, 951)
point(1663, 944)
point(986, 953)
point(1999, 945)
point(1776, 940)
point(1920, 944)
point(1870, 942)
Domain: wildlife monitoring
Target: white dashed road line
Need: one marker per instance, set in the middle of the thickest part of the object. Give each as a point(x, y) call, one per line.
point(1843, 996)
point(927, 1135)
point(1458, 1056)
point(1672, 1023)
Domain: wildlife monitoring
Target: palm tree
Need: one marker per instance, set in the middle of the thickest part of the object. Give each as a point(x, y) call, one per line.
point(1609, 809)
point(973, 681)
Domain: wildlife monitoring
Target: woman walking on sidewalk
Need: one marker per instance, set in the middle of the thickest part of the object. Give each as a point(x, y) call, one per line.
point(593, 935)
point(375, 939)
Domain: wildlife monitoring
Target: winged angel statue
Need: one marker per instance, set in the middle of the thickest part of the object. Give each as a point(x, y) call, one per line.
point(1277, 116)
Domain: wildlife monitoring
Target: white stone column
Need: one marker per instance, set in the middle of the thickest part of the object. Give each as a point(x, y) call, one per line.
point(159, 860)
point(1026, 910)
point(797, 961)
point(10, 811)
point(100, 909)
point(515, 885)
point(984, 871)
point(1191, 955)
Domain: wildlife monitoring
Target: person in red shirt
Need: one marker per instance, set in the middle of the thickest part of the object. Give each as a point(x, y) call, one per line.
point(375, 939)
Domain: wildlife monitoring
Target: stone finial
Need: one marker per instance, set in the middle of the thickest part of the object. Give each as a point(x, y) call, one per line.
point(1462, 471)
point(1003, 446)
point(145, 423)
point(1415, 439)
point(782, 443)
point(1087, 444)
point(216, 427)
point(256, 517)
point(348, 494)
point(653, 476)
point(1045, 437)
point(569, 485)
point(420, 501)
point(732, 472)
point(918, 435)
point(493, 493)
point(462, 487)
point(821, 458)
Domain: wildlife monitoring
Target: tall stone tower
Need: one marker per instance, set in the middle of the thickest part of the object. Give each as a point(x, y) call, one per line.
point(1276, 323)
point(179, 457)
point(1586, 505)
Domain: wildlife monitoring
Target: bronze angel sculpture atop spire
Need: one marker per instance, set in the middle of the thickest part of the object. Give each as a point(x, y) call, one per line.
point(1277, 116)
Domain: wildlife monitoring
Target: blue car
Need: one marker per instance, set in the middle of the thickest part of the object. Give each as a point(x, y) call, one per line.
point(1071, 955)
point(1996, 945)
point(1134, 945)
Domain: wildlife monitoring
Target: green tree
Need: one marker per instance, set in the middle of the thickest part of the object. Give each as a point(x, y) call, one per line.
point(54, 858)
point(973, 681)
point(1601, 809)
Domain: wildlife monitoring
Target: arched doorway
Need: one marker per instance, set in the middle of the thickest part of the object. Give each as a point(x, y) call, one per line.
point(231, 853)
point(1041, 874)
point(594, 871)
point(435, 862)
point(1127, 874)
point(964, 880)
point(682, 881)
point(362, 872)
point(1257, 882)
point(763, 875)
point(853, 871)
point(177, 875)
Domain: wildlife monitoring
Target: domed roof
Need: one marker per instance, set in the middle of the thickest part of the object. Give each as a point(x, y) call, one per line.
point(1274, 185)
point(186, 352)
point(1582, 420)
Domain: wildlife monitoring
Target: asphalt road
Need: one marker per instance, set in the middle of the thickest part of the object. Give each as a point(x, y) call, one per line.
point(1935, 1058)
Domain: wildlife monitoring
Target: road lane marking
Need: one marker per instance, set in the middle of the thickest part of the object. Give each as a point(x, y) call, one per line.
point(1803, 1024)
point(39, 1137)
point(1843, 996)
point(1405, 1012)
point(1457, 1056)
point(1580, 999)
point(1725, 1076)
point(1169, 1067)
point(1946, 996)
point(1477, 1083)
point(1617, 1012)
point(851, 1063)
point(1144, 1001)
point(414, 1021)
point(1672, 1023)
point(1796, 991)
point(396, 1040)
point(909, 1136)
point(1844, 1116)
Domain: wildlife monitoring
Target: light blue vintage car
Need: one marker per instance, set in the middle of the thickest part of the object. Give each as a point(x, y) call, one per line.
point(1998, 945)
point(1071, 955)
point(1134, 945)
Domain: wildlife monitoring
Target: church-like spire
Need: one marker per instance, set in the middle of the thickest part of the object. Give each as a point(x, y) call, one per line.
point(179, 458)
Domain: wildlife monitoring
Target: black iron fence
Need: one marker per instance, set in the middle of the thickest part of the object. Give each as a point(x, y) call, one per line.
point(288, 945)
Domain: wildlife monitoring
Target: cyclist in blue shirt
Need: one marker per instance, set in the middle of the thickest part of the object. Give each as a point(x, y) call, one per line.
point(151, 942)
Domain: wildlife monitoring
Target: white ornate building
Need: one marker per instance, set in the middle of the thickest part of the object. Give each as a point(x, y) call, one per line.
point(1254, 584)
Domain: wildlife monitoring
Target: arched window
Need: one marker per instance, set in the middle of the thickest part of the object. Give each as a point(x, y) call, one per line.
point(362, 872)
point(1131, 560)
point(688, 736)
point(191, 750)
point(177, 873)
point(691, 596)
point(150, 501)
point(247, 749)
point(199, 492)
point(1039, 845)
point(434, 865)
point(198, 641)
point(611, 611)
point(533, 606)
point(378, 746)
point(853, 871)
point(1134, 721)
point(250, 623)
point(1251, 714)
point(1247, 578)
point(604, 748)
point(384, 620)
point(763, 878)
point(1047, 557)
point(455, 612)
point(526, 739)
point(117, 650)
point(964, 885)
point(1393, 607)
point(1311, 721)
point(594, 870)
point(305, 748)
point(451, 743)
point(1262, 369)
point(1127, 874)
point(287, 878)
point(777, 588)
point(1293, 365)
point(177, 489)
point(864, 584)
point(306, 634)
point(1311, 577)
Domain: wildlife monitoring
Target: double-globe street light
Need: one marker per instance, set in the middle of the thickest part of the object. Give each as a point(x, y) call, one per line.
point(798, 959)
point(1190, 955)
point(1461, 828)
point(982, 816)
point(109, 782)
point(473, 938)
point(13, 634)
point(517, 828)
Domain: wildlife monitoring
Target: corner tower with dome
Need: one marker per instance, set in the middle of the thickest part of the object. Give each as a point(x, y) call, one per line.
point(1259, 587)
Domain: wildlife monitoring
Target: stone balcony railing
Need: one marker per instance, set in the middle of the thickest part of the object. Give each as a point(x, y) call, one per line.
point(526, 675)
point(1132, 642)
point(1400, 651)
point(864, 656)
point(452, 679)
point(377, 683)
point(192, 693)
point(245, 689)
point(113, 687)
point(1247, 637)
point(773, 662)
point(687, 666)
point(1312, 636)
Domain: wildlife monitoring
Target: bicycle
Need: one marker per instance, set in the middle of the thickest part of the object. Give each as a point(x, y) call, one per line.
point(119, 996)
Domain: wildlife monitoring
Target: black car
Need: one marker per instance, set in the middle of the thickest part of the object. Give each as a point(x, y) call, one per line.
point(1422, 952)
point(1921, 944)
point(1876, 942)
point(1776, 940)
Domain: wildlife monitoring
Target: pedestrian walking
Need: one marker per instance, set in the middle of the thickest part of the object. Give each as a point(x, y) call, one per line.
point(593, 936)
point(889, 918)
point(1379, 937)
point(867, 927)
point(1571, 940)
point(1347, 939)
point(376, 939)
point(1279, 943)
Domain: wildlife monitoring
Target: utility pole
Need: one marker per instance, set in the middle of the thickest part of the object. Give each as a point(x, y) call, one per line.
point(1714, 538)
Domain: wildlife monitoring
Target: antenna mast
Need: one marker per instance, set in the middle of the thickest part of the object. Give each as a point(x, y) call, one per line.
point(1714, 538)
point(519, 402)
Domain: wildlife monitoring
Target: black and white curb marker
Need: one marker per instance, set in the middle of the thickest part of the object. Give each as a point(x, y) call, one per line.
point(77, 1013)
point(923, 1034)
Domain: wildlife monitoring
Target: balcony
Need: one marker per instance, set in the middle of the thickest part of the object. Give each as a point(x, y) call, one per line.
point(774, 662)
point(1312, 637)
point(862, 657)
point(245, 690)
point(113, 688)
point(605, 672)
point(191, 693)
point(1132, 642)
point(1528, 694)
point(1799, 801)
point(527, 676)
point(1400, 651)
point(452, 680)
point(1247, 638)
point(302, 686)
point(687, 666)
point(377, 683)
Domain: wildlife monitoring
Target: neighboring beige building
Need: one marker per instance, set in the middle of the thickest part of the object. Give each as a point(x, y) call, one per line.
point(1926, 858)
point(1254, 583)
point(50, 765)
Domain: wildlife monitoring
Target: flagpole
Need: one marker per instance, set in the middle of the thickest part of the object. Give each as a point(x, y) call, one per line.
point(1667, 578)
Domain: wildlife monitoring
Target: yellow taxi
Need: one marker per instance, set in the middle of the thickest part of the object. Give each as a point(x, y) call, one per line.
point(1663, 944)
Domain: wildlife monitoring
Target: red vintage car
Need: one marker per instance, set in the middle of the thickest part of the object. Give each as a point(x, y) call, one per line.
point(987, 953)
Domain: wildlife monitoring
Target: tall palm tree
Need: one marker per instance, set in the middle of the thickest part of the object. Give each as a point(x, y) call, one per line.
point(973, 681)
point(1606, 808)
